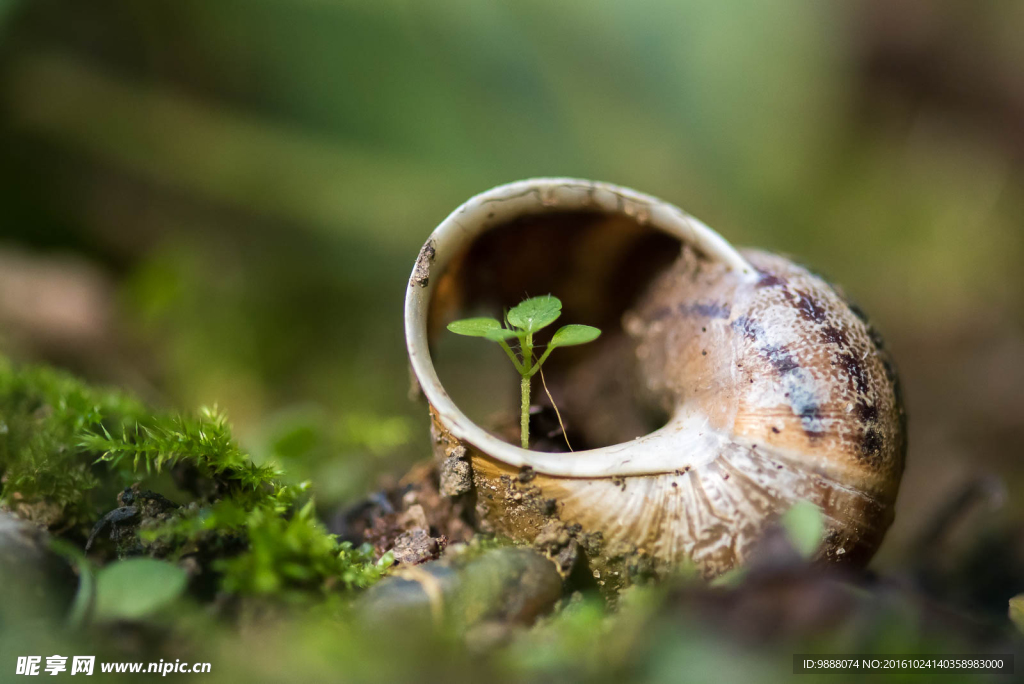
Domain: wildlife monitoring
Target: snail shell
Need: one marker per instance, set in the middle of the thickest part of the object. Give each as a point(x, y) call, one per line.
point(775, 388)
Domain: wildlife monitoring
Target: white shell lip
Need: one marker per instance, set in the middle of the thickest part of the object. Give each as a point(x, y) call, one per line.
point(687, 440)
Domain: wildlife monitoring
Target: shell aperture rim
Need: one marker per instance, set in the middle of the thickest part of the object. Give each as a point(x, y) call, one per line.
point(687, 439)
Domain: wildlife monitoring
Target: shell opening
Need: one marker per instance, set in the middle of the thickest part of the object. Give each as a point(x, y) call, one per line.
point(597, 265)
point(594, 246)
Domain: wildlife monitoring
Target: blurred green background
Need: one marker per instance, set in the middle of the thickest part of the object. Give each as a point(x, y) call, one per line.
point(220, 202)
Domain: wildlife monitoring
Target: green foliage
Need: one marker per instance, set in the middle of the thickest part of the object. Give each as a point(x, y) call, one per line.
point(133, 588)
point(805, 525)
point(526, 318)
point(61, 439)
point(44, 414)
point(156, 442)
point(482, 327)
point(57, 433)
point(535, 313)
point(570, 335)
point(289, 557)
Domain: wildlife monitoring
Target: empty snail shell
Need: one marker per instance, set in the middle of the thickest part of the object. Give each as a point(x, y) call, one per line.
point(775, 388)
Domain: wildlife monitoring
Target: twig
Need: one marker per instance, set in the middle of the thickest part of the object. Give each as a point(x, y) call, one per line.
point(565, 435)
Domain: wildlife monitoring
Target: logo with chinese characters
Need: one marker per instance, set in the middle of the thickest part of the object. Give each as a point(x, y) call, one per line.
point(31, 665)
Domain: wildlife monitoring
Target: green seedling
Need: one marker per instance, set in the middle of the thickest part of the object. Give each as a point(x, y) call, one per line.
point(521, 323)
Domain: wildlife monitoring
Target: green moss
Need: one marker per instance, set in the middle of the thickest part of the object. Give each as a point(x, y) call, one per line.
point(157, 442)
point(67, 448)
point(290, 556)
point(45, 472)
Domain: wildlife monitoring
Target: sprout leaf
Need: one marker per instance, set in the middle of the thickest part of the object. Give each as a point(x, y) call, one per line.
point(569, 335)
point(521, 321)
point(474, 327)
point(535, 313)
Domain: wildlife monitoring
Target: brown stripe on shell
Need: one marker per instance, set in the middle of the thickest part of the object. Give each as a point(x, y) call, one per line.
point(855, 349)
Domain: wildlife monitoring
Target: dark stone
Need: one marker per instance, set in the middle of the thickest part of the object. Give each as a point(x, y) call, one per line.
point(32, 576)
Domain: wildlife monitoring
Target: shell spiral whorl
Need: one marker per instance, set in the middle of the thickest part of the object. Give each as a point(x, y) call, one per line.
point(776, 390)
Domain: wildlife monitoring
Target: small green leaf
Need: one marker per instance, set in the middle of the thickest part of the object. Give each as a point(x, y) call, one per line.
point(535, 313)
point(498, 334)
point(1017, 611)
point(475, 327)
point(569, 335)
point(134, 588)
point(805, 525)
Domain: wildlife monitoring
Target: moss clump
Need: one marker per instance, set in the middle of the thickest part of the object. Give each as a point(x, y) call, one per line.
point(45, 472)
point(67, 448)
point(294, 556)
